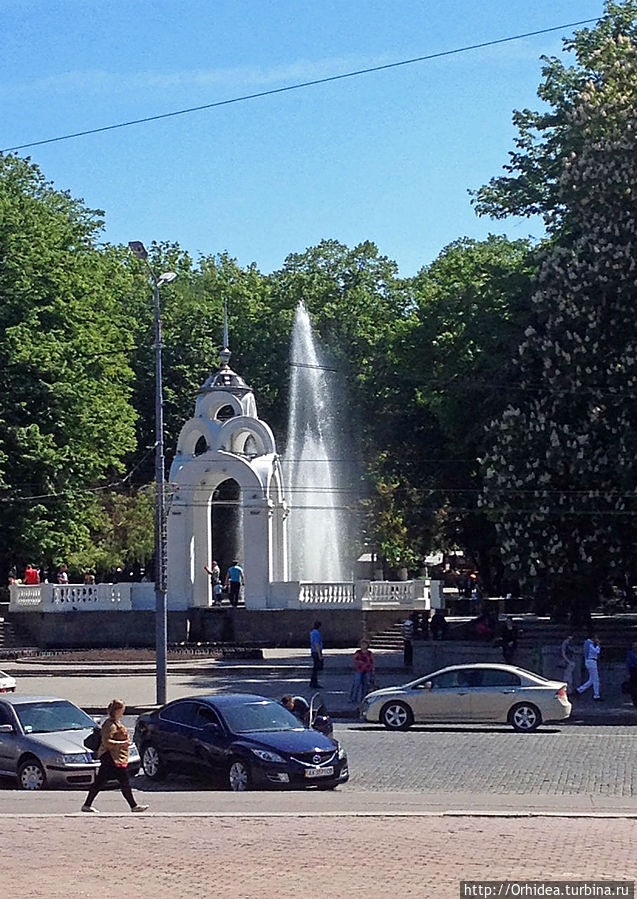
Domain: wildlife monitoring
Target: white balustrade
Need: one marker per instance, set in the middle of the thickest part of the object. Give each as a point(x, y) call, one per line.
point(25, 598)
point(335, 594)
point(70, 597)
point(282, 595)
point(395, 594)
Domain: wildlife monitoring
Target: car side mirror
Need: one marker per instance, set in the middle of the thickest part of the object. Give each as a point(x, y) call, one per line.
point(212, 728)
point(429, 685)
point(6, 728)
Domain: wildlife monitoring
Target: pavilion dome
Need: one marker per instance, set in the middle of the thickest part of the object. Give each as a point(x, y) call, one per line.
point(225, 378)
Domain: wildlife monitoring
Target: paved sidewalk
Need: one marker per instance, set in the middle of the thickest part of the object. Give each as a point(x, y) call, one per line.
point(281, 858)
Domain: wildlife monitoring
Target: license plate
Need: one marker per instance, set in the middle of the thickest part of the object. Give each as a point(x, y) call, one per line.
point(319, 772)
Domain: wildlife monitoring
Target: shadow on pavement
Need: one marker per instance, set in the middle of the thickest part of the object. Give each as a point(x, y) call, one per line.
point(451, 729)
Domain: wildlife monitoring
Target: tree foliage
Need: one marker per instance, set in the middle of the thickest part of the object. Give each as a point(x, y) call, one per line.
point(66, 420)
point(560, 474)
point(583, 101)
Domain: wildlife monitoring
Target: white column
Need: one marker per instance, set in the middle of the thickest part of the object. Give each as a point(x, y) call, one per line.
point(256, 534)
point(201, 587)
point(179, 530)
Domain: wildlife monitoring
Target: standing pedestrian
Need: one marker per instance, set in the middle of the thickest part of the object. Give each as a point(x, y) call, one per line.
point(567, 653)
point(214, 572)
point(234, 582)
point(63, 575)
point(363, 672)
point(408, 642)
point(439, 625)
point(509, 639)
point(316, 650)
point(31, 574)
point(592, 650)
point(631, 665)
point(423, 624)
point(215, 581)
point(113, 756)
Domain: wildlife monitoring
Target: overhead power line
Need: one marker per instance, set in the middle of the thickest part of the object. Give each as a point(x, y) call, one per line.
point(299, 86)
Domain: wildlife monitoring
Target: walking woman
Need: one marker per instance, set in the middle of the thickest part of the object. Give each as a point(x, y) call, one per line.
point(113, 756)
point(363, 672)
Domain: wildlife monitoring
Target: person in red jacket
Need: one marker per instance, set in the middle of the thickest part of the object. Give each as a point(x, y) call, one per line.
point(31, 574)
point(363, 672)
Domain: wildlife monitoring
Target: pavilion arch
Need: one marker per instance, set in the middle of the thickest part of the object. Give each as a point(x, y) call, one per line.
point(234, 433)
point(192, 431)
point(204, 474)
point(210, 406)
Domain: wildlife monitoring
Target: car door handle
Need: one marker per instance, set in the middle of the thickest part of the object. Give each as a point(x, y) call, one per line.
point(464, 693)
point(508, 691)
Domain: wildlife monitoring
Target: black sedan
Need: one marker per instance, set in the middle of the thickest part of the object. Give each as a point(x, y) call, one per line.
point(247, 741)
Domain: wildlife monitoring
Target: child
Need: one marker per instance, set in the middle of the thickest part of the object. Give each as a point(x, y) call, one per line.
point(218, 593)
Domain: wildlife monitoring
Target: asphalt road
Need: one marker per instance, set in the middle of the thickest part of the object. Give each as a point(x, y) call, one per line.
point(565, 768)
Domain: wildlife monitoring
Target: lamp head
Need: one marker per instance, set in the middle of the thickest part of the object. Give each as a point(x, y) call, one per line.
point(166, 278)
point(138, 249)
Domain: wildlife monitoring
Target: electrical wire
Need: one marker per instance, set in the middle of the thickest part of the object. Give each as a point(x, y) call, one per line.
point(299, 86)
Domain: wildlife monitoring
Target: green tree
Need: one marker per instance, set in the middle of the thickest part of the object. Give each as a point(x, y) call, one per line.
point(583, 101)
point(560, 472)
point(65, 415)
point(471, 306)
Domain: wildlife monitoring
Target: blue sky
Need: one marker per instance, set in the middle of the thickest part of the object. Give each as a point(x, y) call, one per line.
point(387, 157)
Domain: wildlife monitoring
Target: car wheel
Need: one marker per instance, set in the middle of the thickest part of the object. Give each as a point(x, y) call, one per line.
point(525, 717)
point(396, 716)
point(31, 775)
point(239, 779)
point(152, 762)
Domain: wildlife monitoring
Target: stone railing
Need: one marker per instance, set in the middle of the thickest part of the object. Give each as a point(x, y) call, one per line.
point(349, 595)
point(337, 594)
point(393, 593)
point(70, 597)
point(309, 595)
point(25, 598)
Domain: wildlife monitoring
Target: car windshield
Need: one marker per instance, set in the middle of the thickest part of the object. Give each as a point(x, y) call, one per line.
point(247, 717)
point(48, 717)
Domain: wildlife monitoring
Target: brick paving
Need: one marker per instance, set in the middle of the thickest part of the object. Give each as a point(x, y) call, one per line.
point(241, 858)
point(556, 761)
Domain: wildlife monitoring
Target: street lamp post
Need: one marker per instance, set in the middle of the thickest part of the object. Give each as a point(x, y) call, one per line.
point(161, 563)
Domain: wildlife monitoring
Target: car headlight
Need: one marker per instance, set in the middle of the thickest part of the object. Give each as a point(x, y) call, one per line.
point(266, 756)
point(77, 758)
point(341, 752)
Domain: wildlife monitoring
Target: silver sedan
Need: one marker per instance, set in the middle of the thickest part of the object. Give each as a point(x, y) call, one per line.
point(471, 693)
point(42, 743)
point(7, 683)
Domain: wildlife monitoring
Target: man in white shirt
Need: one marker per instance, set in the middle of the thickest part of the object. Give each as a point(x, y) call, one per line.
point(592, 650)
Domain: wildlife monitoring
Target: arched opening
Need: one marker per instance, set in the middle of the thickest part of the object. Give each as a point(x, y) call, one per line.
point(225, 413)
point(250, 447)
point(227, 525)
point(201, 446)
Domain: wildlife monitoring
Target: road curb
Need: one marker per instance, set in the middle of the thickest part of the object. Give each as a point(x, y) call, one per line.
point(451, 813)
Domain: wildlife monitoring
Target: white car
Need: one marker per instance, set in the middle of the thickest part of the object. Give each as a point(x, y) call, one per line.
point(7, 683)
point(471, 693)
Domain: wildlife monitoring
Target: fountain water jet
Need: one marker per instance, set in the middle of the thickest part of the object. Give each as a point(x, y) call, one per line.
point(318, 523)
